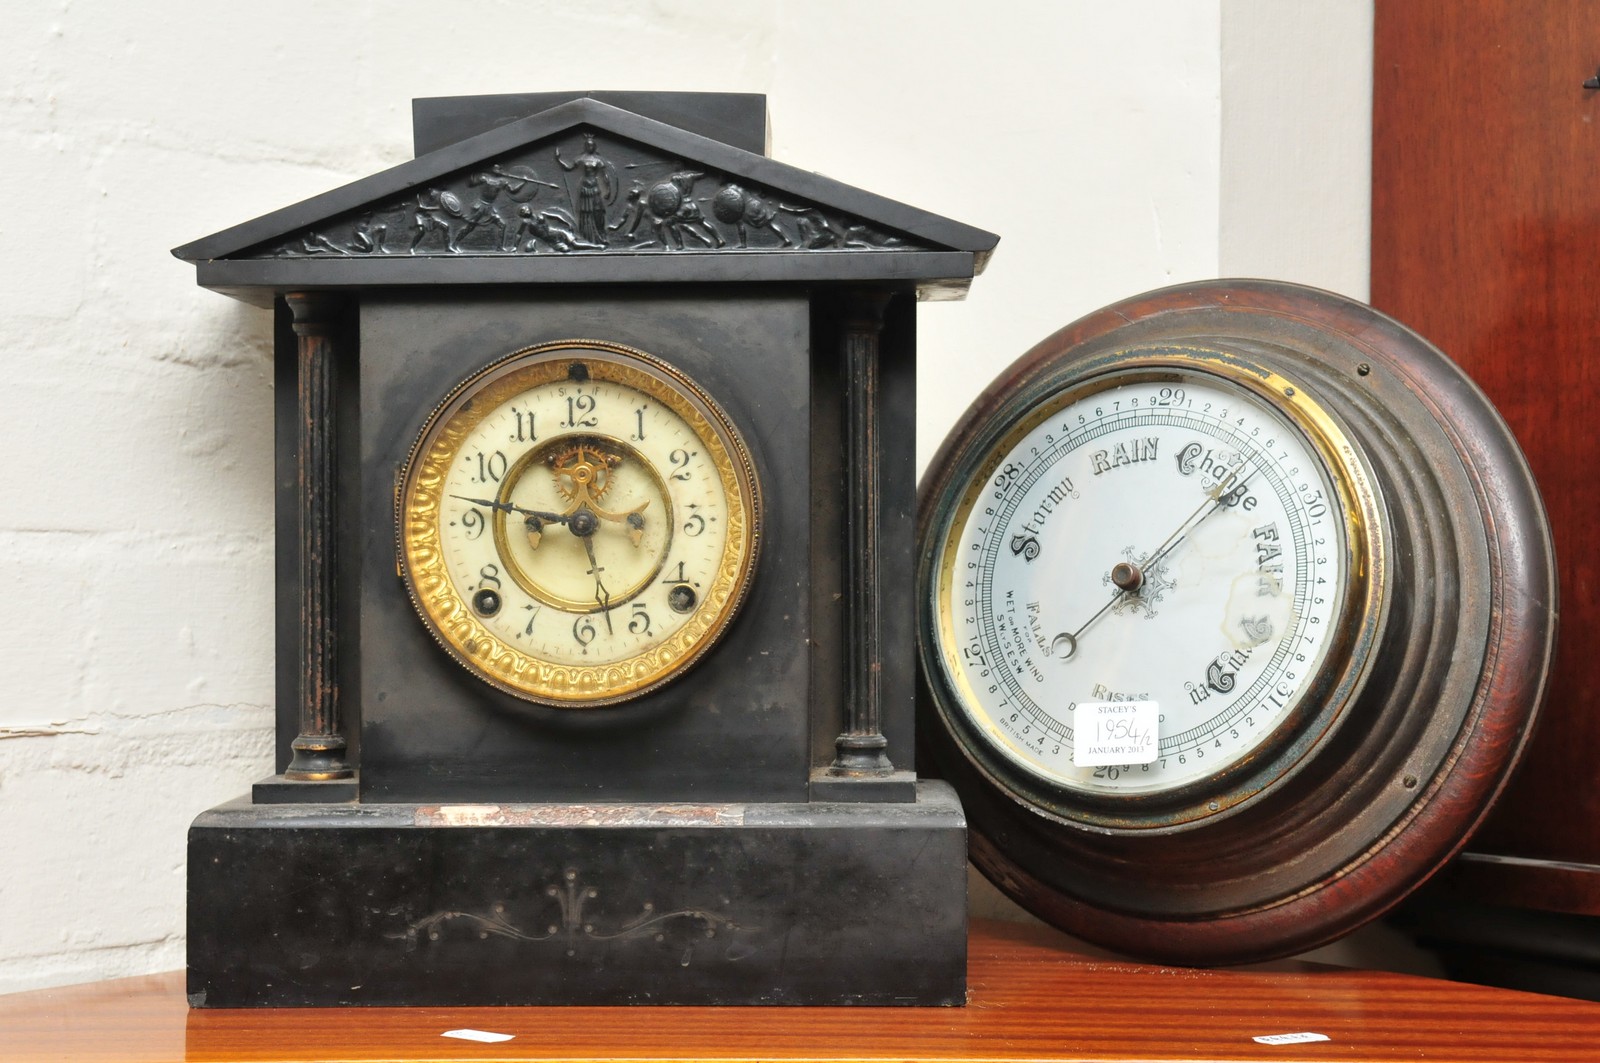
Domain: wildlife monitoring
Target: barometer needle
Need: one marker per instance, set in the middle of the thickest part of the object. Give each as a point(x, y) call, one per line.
point(1134, 575)
point(1208, 507)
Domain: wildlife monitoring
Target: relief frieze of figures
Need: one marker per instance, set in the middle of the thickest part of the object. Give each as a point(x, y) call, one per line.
point(586, 197)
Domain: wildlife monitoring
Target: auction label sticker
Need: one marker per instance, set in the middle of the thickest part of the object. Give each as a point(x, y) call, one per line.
point(1114, 732)
point(1290, 1038)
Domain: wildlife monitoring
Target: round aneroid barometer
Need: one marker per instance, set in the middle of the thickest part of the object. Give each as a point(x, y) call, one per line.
point(1236, 604)
point(578, 523)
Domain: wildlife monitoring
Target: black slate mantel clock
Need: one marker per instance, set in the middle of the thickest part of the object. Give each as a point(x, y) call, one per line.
point(595, 518)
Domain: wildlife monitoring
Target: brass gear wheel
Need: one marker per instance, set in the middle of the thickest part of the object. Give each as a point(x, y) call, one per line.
point(583, 472)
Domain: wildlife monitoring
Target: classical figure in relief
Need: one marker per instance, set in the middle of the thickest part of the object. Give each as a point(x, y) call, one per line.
point(597, 189)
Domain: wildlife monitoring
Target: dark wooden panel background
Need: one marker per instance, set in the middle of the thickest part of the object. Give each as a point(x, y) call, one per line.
point(1486, 239)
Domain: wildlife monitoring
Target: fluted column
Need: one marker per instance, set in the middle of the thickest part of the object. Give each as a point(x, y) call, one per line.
point(862, 748)
point(319, 751)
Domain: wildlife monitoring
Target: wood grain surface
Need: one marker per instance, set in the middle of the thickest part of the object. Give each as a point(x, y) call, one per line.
point(1032, 998)
point(1485, 226)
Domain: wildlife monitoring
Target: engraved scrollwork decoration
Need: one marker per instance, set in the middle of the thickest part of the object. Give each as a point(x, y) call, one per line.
point(571, 926)
point(1154, 585)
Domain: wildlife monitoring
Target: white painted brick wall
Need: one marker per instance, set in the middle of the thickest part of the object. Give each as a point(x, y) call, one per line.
point(135, 409)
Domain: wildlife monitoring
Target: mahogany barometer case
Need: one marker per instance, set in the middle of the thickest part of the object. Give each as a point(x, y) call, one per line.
point(595, 516)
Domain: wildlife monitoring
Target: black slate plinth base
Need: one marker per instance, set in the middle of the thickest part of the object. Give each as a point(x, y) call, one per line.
point(840, 903)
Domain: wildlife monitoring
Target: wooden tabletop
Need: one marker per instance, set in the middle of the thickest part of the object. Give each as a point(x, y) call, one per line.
point(1032, 998)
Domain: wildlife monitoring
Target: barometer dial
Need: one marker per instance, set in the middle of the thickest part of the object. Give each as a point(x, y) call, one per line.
point(578, 523)
point(1184, 544)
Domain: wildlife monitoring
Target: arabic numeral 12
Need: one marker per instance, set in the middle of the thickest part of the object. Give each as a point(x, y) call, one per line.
point(579, 411)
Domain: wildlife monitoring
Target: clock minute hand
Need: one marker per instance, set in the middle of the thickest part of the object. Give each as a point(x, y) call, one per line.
point(602, 597)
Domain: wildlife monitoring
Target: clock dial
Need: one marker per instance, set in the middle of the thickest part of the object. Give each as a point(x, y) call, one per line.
point(579, 523)
point(1179, 546)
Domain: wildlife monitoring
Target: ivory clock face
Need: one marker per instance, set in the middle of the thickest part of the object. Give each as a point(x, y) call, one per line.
point(578, 523)
point(1173, 549)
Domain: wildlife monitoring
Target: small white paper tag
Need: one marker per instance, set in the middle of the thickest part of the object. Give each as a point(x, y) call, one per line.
point(478, 1035)
point(1114, 732)
point(1290, 1038)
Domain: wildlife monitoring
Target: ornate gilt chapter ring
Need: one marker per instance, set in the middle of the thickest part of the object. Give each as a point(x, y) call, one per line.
point(578, 523)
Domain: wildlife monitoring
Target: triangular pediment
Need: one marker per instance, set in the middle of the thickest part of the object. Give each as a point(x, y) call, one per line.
point(586, 180)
